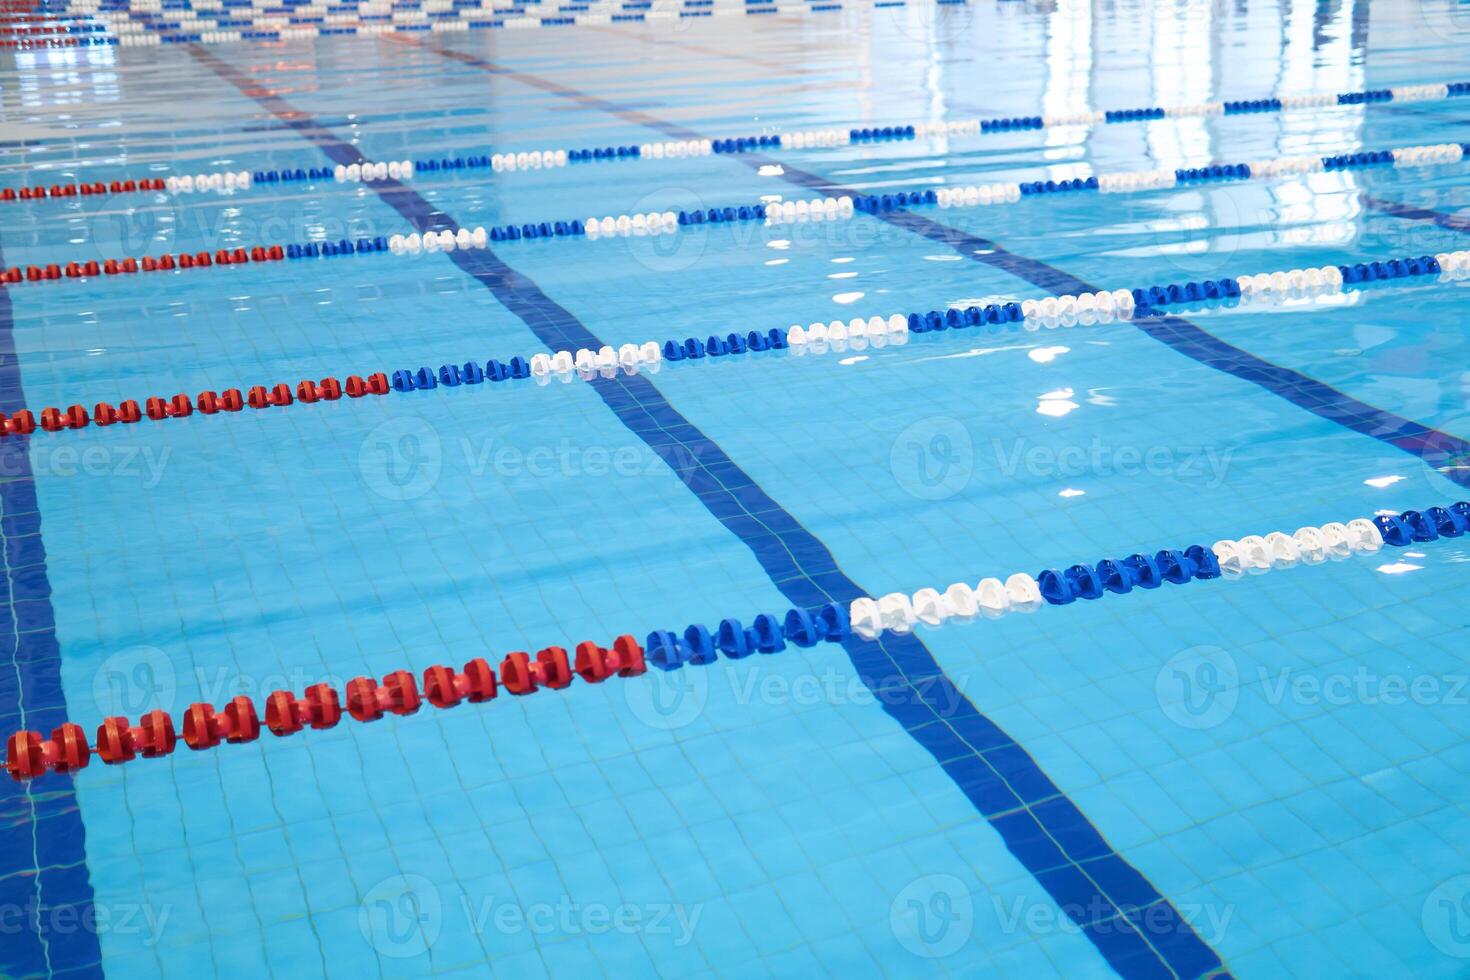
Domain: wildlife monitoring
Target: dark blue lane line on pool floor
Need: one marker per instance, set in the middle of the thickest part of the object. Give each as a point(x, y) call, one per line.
point(1433, 447)
point(1138, 931)
point(1396, 209)
point(44, 888)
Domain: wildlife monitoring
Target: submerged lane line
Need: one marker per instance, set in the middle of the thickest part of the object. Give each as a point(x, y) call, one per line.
point(42, 837)
point(986, 764)
point(1183, 336)
point(1409, 212)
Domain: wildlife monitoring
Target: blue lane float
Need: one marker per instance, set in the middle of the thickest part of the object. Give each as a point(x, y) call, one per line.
point(1121, 576)
point(697, 645)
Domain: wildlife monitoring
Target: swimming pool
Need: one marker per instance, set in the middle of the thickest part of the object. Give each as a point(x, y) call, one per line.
point(1214, 773)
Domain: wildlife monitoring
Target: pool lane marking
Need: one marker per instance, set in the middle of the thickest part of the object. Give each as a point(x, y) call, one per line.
point(42, 838)
point(816, 339)
point(1034, 818)
point(1181, 335)
point(772, 214)
point(1409, 212)
point(831, 136)
point(30, 755)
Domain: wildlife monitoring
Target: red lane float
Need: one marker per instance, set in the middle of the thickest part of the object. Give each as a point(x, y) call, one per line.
point(153, 736)
point(519, 674)
point(319, 708)
point(9, 194)
point(127, 266)
point(29, 755)
point(444, 688)
point(181, 406)
point(204, 729)
point(367, 700)
point(596, 664)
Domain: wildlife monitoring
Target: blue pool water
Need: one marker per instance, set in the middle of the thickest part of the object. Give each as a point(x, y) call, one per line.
point(1267, 777)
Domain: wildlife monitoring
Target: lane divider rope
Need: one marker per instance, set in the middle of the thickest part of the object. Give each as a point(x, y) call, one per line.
point(818, 338)
point(675, 149)
point(775, 213)
point(203, 23)
point(29, 754)
point(321, 706)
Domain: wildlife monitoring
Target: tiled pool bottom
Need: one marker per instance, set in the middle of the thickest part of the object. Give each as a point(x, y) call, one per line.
point(1231, 758)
